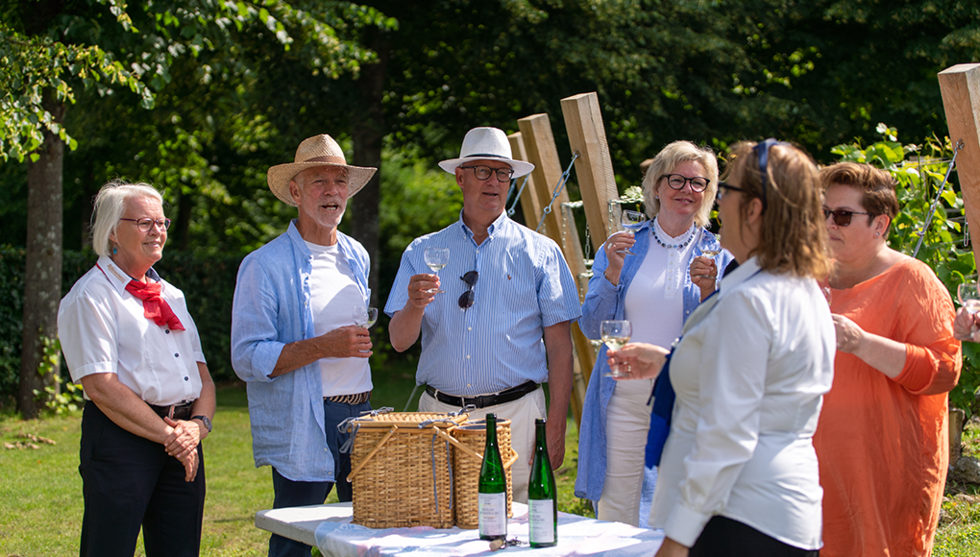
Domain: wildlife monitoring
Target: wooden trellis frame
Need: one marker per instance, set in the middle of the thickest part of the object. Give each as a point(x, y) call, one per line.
point(536, 144)
point(960, 86)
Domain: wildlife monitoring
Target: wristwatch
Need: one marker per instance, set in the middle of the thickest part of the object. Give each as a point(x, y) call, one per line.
point(205, 419)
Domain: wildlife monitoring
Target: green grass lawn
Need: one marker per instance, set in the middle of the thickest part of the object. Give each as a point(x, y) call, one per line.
point(41, 491)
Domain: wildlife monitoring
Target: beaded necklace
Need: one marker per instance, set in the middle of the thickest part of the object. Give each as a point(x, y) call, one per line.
point(672, 246)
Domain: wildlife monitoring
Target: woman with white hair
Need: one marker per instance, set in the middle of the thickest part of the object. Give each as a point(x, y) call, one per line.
point(130, 342)
point(655, 292)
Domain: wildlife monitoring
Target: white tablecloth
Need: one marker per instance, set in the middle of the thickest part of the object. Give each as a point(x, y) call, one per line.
point(329, 528)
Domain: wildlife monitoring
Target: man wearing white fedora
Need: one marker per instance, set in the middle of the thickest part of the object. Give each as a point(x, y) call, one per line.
point(293, 337)
point(507, 289)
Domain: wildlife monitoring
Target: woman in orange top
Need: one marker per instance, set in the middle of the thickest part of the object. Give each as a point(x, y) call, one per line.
point(882, 436)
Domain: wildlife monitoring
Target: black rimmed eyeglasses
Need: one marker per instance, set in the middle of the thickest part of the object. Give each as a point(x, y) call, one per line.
point(145, 224)
point(722, 186)
point(467, 298)
point(841, 217)
point(677, 182)
point(483, 172)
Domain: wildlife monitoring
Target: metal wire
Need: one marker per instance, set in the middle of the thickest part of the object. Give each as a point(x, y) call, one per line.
point(510, 212)
point(558, 188)
point(939, 193)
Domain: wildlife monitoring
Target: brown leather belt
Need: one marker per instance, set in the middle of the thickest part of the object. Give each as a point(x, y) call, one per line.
point(359, 398)
point(180, 411)
point(484, 401)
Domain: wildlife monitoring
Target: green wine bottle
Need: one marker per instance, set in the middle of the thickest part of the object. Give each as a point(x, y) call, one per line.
point(492, 497)
point(542, 494)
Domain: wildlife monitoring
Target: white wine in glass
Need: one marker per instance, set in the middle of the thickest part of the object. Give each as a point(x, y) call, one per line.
point(969, 296)
point(436, 259)
point(365, 317)
point(631, 221)
point(615, 334)
point(710, 246)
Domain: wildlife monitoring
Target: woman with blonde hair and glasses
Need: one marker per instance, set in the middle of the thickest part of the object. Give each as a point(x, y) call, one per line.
point(882, 438)
point(652, 288)
point(738, 475)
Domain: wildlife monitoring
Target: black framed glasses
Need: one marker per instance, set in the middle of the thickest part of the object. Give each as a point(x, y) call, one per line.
point(841, 217)
point(722, 186)
point(677, 181)
point(483, 172)
point(467, 298)
point(145, 224)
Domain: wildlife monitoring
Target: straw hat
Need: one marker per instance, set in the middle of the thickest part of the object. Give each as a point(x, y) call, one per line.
point(319, 150)
point(485, 144)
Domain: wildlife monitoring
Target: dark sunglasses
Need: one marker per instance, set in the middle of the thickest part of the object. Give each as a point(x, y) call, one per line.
point(841, 217)
point(466, 298)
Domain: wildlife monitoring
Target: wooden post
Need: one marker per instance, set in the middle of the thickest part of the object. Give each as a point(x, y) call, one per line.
point(539, 145)
point(530, 203)
point(593, 168)
point(960, 86)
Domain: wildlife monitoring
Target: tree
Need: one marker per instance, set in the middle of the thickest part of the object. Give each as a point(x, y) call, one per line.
point(49, 49)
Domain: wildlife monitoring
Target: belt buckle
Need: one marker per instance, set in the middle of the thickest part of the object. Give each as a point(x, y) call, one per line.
point(170, 412)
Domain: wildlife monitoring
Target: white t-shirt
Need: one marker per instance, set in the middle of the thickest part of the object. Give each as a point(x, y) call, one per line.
point(333, 296)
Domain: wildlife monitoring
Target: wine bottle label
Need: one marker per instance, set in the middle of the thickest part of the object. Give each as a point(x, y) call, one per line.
point(492, 514)
point(541, 520)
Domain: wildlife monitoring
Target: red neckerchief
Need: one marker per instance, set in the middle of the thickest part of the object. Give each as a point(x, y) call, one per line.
point(154, 307)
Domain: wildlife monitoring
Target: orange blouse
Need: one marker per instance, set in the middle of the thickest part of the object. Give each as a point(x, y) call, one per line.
point(882, 443)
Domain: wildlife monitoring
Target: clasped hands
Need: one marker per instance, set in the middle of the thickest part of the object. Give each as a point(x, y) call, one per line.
point(182, 444)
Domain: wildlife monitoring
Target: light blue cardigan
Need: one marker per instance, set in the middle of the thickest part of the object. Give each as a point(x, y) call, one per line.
point(605, 301)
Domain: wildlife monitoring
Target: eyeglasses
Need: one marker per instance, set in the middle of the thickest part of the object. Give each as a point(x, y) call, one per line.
point(841, 217)
point(677, 181)
point(145, 224)
point(483, 172)
point(722, 186)
point(466, 298)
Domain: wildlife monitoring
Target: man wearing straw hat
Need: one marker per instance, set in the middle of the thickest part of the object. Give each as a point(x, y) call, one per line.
point(502, 326)
point(293, 338)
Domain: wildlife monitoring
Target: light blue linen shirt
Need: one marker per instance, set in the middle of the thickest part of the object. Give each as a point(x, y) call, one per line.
point(524, 286)
point(271, 309)
point(606, 301)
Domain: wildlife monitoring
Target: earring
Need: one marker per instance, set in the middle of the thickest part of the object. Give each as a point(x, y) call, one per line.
point(115, 250)
point(877, 234)
point(656, 197)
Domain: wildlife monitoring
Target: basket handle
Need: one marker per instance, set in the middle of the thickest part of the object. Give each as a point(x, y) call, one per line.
point(371, 454)
point(470, 451)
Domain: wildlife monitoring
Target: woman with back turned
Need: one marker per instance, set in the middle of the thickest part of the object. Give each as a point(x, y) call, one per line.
point(738, 475)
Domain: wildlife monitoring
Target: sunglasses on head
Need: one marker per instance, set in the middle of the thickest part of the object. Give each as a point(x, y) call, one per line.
point(842, 217)
point(762, 153)
point(467, 298)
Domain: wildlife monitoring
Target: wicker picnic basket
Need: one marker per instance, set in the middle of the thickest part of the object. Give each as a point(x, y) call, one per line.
point(401, 468)
point(468, 457)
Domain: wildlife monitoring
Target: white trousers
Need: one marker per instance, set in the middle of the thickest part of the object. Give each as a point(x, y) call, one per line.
point(521, 413)
point(627, 424)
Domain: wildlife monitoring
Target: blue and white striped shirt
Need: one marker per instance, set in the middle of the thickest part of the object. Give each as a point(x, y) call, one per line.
point(524, 286)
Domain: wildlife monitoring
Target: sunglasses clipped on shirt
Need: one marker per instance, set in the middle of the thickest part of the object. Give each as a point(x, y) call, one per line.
point(467, 298)
point(841, 217)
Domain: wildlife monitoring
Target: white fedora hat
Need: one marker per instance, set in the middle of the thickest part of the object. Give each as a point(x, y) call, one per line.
point(486, 144)
point(319, 150)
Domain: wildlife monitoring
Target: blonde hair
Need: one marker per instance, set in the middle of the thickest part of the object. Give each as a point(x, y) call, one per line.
point(666, 161)
point(110, 203)
point(793, 234)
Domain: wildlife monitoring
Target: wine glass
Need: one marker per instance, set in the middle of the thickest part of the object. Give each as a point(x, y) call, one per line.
point(710, 247)
point(631, 221)
point(365, 317)
point(436, 259)
point(969, 297)
point(616, 333)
